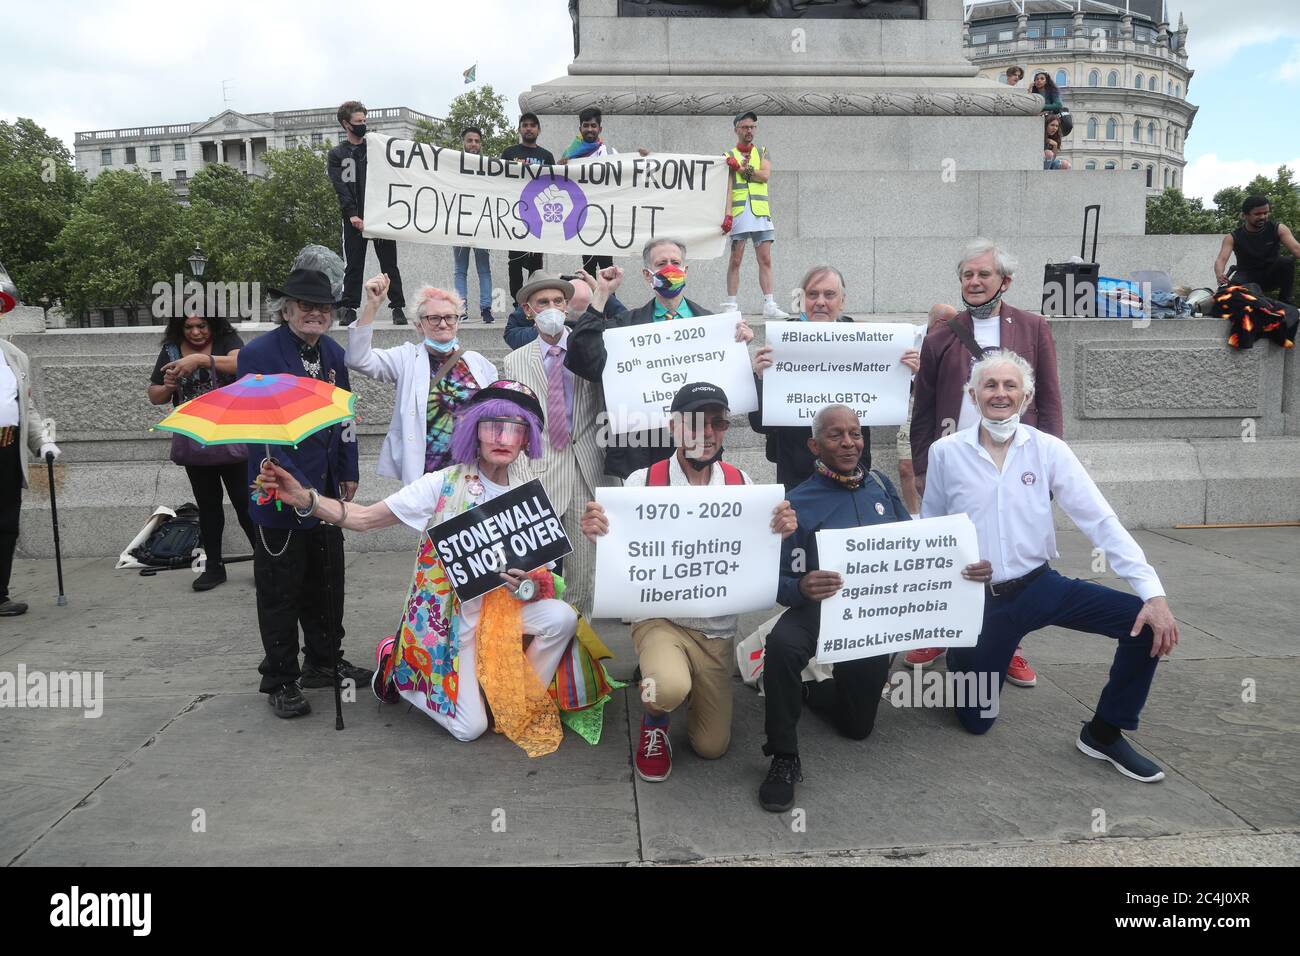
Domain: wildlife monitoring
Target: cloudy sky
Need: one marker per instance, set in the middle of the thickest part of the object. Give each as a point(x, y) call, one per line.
point(73, 66)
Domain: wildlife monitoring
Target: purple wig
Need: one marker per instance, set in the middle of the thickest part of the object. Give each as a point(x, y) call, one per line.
point(464, 435)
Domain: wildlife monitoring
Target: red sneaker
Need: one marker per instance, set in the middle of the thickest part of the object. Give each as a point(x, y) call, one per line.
point(654, 757)
point(925, 656)
point(1020, 673)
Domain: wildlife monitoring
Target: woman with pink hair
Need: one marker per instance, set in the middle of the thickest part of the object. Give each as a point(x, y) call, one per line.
point(434, 378)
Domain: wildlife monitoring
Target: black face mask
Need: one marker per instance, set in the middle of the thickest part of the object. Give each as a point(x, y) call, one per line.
point(359, 129)
point(699, 464)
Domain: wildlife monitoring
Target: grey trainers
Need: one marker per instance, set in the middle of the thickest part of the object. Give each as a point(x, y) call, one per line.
point(12, 608)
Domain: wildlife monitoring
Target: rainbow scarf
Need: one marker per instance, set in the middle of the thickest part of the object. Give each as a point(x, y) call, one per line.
point(668, 282)
point(580, 148)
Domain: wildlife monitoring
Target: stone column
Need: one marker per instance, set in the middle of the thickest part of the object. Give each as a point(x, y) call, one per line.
point(221, 150)
point(248, 154)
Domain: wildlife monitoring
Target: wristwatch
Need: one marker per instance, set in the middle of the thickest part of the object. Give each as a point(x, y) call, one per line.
point(526, 591)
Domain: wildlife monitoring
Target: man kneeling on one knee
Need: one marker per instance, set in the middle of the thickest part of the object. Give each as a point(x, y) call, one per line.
point(683, 657)
point(840, 493)
point(1002, 473)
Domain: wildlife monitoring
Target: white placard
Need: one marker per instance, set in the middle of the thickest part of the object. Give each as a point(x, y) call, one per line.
point(687, 551)
point(856, 364)
point(902, 590)
point(606, 205)
point(647, 364)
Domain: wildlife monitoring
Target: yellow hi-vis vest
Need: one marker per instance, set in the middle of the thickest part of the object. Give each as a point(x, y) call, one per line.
point(756, 191)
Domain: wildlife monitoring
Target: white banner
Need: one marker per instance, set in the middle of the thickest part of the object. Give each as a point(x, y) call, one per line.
point(608, 205)
point(902, 590)
point(687, 551)
point(647, 364)
point(837, 363)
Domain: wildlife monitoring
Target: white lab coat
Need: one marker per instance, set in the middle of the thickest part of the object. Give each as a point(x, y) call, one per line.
point(402, 455)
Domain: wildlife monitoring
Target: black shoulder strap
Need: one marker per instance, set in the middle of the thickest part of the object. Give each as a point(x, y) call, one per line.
point(966, 339)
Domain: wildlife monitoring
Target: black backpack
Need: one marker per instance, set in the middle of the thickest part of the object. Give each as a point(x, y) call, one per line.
point(173, 542)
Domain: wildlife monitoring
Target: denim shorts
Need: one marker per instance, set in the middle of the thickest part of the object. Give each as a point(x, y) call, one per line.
point(766, 235)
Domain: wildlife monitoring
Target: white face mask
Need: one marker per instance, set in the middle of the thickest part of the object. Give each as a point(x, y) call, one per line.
point(550, 321)
point(1003, 430)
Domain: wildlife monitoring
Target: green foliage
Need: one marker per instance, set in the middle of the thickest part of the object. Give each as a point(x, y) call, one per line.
point(220, 197)
point(1172, 213)
point(38, 190)
point(480, 107)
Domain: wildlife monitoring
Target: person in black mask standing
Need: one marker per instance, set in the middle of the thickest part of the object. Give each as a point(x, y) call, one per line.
point(1257, 243)
point(347, 171)
point(526, 151)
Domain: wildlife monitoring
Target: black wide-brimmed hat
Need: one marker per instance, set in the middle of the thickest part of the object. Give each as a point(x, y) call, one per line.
point(309, 285)
point(510, 391)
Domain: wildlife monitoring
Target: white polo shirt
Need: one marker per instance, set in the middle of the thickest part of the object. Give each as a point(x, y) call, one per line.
point(1012, 511)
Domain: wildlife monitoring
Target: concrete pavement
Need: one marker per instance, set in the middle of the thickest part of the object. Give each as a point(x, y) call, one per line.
point(187, 764)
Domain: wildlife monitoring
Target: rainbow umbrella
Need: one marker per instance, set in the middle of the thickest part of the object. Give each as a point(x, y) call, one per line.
point(263, 410)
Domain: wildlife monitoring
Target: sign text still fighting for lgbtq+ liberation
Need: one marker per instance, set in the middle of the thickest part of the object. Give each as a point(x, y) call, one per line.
point(605, 206)
point(816, 364)
point(645, 365)
point(687, 551)
point(902, 589)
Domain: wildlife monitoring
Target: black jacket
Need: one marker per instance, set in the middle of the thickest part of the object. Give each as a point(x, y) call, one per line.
point(787, 445)
point(352, 195)
point(586, 358)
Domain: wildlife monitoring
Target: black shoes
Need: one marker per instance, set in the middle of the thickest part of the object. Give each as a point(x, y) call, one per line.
point(212, 575)
point(399, 317)
point(486, 315)
point(314, 676)
point(776, 793)
point(12, 608)
point(347, 316)
point(288, 701)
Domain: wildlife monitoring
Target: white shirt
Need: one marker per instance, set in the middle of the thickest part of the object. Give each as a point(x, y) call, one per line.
point(988, 334)
point(1012, 511)
point(9, 410)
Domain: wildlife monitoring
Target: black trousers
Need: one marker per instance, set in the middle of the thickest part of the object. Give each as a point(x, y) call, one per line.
point(206, 482)
point(593, 264)
point(1280, 275)
point(354, 264)
point(521, 264)
point(11, 503)
point(293, 589)
point(848, 700)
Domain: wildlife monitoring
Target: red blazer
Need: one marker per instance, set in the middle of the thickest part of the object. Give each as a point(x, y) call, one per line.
point(945, 370)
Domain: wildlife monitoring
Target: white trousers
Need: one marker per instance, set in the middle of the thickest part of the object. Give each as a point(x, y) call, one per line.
point(552, 624)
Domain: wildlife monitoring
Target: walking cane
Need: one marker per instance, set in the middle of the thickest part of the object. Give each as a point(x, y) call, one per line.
point(54, 514)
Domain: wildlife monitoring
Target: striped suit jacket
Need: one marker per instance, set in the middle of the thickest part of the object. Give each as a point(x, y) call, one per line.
point(559, 469)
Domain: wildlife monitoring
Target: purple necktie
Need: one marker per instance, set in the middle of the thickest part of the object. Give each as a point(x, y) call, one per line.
point(557, 415)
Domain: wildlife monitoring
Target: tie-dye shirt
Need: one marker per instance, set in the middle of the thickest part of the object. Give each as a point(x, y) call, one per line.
point(445, 397)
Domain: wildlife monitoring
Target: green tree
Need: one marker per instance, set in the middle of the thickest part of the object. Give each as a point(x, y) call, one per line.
point(126, 235)
point(220, 197)
point(1172, 213)
point(483, 108)
point(38, 190)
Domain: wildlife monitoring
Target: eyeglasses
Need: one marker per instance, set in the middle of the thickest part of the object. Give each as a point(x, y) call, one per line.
point(697, 422)
point(506, 431)
point(438, 320)
point(323, 307)
point(747, 128)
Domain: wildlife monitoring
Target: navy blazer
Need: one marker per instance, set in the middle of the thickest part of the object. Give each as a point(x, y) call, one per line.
point(323, 459)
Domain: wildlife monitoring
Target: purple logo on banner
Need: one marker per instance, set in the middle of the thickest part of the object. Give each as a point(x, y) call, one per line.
point(547, 189)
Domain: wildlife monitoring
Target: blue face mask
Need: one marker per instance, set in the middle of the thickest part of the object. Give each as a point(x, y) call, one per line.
point(443, 347)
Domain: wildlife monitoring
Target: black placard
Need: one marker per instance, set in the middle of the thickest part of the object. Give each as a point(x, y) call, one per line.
point(518, 529)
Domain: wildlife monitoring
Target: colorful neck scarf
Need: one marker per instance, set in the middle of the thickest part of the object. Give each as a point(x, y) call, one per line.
point(668, 282)
point(580, 148)
point(852, 482)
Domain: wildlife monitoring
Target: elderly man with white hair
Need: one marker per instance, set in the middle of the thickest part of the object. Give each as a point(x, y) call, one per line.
point(1003, 474)
point(941, 405)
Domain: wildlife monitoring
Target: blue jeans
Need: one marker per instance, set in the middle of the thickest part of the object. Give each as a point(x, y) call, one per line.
point(1053, 599)
point(484, 268)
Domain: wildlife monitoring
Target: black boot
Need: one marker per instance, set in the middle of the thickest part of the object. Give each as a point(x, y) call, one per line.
point(212, 575)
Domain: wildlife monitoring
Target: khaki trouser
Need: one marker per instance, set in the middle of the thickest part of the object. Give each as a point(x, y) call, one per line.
point(678, 662)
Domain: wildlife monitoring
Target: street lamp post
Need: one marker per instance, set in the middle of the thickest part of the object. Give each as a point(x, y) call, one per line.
point(198, 262)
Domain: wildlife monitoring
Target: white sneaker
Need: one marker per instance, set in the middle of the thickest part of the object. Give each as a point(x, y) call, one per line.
point(770, 311)
point(729, 305)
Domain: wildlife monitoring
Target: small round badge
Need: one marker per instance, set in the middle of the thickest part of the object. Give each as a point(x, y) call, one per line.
point(880, 509)
point(1028, 478)
point(474, 487)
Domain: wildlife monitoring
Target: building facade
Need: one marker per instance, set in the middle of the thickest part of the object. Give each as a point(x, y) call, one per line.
point(1121, 70)
point(175, 153)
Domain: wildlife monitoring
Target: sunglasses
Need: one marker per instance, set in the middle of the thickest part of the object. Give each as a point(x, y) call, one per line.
point(322, 307)
point(506, 431)
point(697, 423)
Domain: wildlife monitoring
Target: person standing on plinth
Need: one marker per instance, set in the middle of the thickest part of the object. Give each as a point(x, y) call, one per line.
point(751, 214)
point(471, 141)
point(522, 263)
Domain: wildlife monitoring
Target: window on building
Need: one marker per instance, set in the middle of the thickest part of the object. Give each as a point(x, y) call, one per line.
point(130, 155)
point(1112, 79)
point(1137, 82)
point(180, 152)
point(1151, 133)
point(1136, 166)
point(1007, 35)
point(1166, 179)
point(1111, 164)
point(979, 39)
point(1150, 176)
point(1152, 84)
point(1062, 79)
point(316, 137)
point(106, 318)
point(1033, 33)
point(156, 176)
point(1169, 87)
point(1178, 89)
point(181, 177)
point(1094, 78)
point(155, 154)
point(1058, 31)
point(1090, 164)
point(1137, 131)
point(1112, 128)
point(1092, 127)
point(106, 157)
